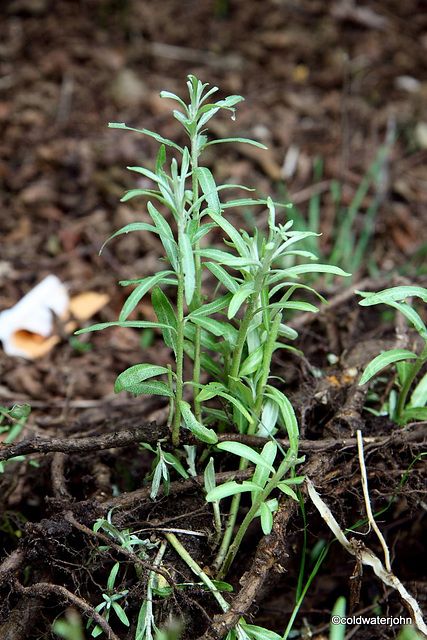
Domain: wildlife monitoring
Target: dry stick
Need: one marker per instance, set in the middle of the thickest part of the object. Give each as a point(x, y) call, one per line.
point(415, 436)
point(59, 484)
point(368, 557)
point(125, 500)
point(151, 432)
point(148, 432)
point(46, 589)
point(368, 502)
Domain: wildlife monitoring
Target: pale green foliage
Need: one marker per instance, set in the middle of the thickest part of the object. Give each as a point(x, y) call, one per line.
point(15, 418)
point(231, 336)
point(408, 363)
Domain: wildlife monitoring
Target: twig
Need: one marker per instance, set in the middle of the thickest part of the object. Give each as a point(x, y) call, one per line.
point(367, 557)
point(368, 502)
point(47, 589)
point(148, 432)
point(57, 468)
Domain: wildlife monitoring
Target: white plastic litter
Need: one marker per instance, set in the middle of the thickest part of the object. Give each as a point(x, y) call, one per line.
point(33, 315)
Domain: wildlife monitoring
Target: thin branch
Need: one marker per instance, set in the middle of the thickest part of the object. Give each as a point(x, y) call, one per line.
point(148, 432)
point(368, 501)
point(47, 589)
point(367, 557)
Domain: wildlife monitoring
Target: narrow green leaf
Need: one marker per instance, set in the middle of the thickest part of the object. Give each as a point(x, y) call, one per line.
point(242, 450)
point(208, 341)
point(259, 633)
point(151, 134)
point(254, 143)
point(415, 413)
point(150, 193)
point(221, 274)
point(120, 613)
point(288, 415)
point(134, 324)
point(214, 389)
point(419, 394)
point(158, 179)
point(166, 235)
point(413, 317)
point(247, 202)
point(208, 364)
point(133, 226)
point(294, 305)
point(188, 266)
point(283, 486)
point(268, 421)
point(231, 231)
point(19, 411)
point(202, 231)
point(161, 158)
point(241, 295)
point(252, 362)
point(211, 307)
point(394, 294)
point(314, 268)
point(200, 431)
point(287, 332)
point(166, 315)
point(231, 489)
point(140, 291)
point(218, 328)
point(383, 360)
point(262, 473)
point(225, 258)
point(209, 188)
point(152, 388)
point(266, 519)
point(112, 577)
point(172, 96)
point(130, 380)
point(209, 476)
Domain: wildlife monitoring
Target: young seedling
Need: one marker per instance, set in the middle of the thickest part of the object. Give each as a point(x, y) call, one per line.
point(12, 422)
point(230, 333)
point(243, 344)
point(408, 363)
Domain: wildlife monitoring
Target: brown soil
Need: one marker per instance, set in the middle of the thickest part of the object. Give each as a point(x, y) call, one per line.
point(321, 79)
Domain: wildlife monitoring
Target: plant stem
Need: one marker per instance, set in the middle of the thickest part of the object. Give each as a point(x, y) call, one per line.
point(149, 617)
point(231, 522)
point(266, 363)
point(401, 402)
point(171, 537)
point(197, 299)
point(179, 357)
point(232, 381)
point(289, 461)
point(240, 343)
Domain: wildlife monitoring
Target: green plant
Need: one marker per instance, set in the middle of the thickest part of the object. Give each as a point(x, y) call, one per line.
point(231, 334)
point(12, 422)
point(408, 363)
point(111, 603)
point(70, 627)
point(259, 291)
point(160, 466)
